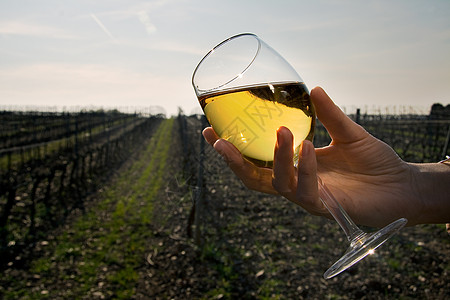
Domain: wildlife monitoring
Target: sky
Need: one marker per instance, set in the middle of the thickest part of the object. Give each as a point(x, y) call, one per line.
point(133, 54)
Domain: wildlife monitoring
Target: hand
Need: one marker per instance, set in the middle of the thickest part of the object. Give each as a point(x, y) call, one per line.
point(364, 174)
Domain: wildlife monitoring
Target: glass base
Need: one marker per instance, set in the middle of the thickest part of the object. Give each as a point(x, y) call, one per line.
point(362, 246)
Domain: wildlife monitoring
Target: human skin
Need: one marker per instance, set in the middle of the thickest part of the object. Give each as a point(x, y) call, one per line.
point(371, 182)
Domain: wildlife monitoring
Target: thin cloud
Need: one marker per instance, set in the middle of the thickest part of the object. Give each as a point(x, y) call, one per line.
point(176, 47)
point(130, 12)
point(103, 27)
point(21, 28)
point(77, 83)
point(145, 20)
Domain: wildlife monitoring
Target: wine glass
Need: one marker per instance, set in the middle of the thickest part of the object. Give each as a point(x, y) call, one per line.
point(247, 91)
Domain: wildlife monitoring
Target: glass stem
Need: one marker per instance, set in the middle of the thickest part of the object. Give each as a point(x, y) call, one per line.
point(350, 228)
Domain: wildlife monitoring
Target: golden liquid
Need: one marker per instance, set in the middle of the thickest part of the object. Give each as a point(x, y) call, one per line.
point(250, 117)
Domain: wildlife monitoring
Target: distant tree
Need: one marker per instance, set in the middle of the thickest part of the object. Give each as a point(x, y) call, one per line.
point(440, 112)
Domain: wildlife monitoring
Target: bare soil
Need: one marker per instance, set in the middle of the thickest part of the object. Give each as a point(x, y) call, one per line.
point(258, 246)
point(252, 246)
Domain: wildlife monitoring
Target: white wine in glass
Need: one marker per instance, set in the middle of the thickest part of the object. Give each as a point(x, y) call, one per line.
point(247, 91)
point(258, 112)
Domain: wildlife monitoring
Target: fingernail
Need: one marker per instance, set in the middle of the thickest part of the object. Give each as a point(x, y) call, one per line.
point(305, 148)
point(279, 137)
point(220, 148)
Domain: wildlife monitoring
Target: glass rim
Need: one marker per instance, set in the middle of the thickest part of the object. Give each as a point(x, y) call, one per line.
point(199, 91)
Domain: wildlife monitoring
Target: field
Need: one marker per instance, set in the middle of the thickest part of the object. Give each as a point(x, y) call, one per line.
point(104, 205)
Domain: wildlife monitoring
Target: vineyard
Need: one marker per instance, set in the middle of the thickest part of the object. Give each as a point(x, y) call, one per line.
point(50, 163)
point(97, 205)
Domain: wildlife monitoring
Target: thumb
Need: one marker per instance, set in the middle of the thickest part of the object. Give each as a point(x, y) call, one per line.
point(340, 127)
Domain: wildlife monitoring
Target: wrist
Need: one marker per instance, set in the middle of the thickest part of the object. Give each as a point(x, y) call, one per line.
point(431, 186)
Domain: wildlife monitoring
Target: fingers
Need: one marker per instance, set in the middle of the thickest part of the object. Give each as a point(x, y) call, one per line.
point(307, 191)
point(210, 135)
point(340, 127)
point(255, 178)
point(298, 186)
point(284, 175)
